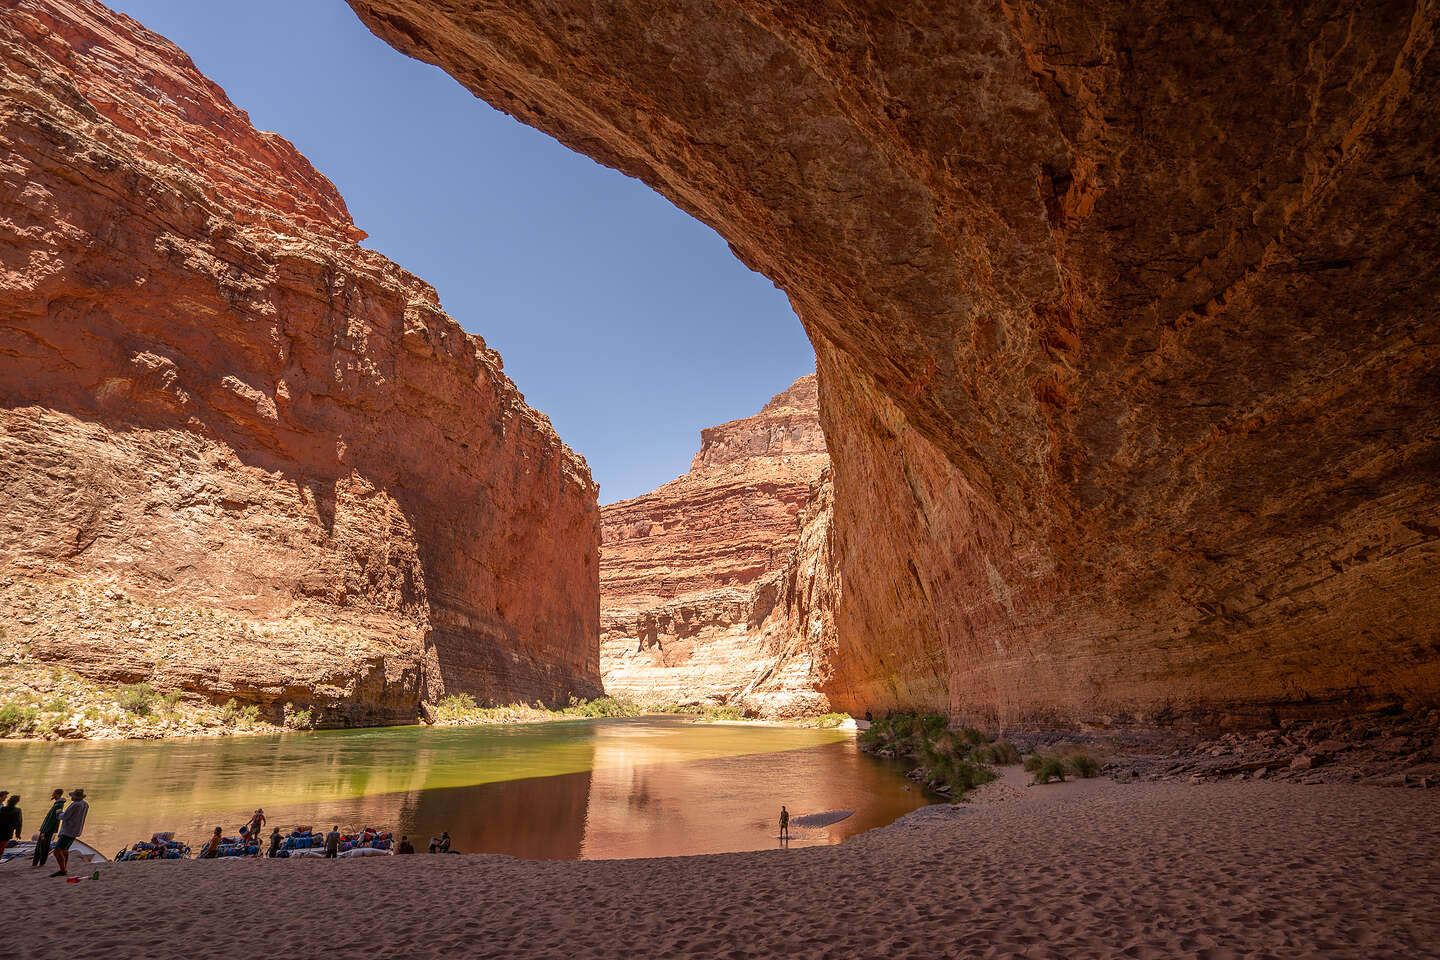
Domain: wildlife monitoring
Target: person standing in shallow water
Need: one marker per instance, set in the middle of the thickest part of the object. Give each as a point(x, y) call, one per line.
point(784, 822)
point(48, 826)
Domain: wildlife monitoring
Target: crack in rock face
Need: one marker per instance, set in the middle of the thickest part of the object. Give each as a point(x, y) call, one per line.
point(1125, 321)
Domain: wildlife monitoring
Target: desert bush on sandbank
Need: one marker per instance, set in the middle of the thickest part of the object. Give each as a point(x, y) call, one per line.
point(1061, 760)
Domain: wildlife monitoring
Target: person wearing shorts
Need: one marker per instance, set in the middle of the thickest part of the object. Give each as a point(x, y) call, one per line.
point(72, 822)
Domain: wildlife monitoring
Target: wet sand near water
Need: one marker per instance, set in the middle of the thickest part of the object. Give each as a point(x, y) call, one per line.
point(1082, 870)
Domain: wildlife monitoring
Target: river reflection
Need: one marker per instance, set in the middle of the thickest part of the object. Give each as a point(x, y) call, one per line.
point(652, 786)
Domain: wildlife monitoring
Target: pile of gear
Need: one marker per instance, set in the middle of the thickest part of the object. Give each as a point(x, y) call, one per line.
point(306, 842)
point(302, 839)
point(234, 847)
point(161, 846)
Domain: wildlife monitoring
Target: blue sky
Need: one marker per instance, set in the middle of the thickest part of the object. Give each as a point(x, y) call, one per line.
point(629, 323)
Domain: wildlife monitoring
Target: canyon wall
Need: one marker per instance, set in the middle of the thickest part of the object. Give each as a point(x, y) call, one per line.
point(240, 454)
point(1125, 316)
point(695, 576)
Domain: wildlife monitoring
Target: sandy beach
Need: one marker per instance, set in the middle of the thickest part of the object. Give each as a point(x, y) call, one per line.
point(1080, 870)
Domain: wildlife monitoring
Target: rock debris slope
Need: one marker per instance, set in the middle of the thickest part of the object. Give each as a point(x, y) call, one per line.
point(697, 576)
point(1125, 316)
point(240, 454)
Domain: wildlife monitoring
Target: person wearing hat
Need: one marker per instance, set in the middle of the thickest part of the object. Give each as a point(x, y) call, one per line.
point(72, 822)
point(253, 828)
point(48, 826)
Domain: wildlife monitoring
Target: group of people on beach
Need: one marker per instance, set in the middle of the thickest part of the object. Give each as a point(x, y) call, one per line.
point(331, 848)
point(68, 822)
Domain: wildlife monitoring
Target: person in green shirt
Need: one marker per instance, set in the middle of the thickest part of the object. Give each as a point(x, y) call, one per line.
point(48, 826)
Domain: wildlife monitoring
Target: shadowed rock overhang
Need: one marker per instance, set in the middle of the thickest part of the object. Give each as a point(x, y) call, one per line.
point(1125, 317)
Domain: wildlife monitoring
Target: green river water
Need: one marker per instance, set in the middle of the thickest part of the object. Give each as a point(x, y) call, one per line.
point(642, 787)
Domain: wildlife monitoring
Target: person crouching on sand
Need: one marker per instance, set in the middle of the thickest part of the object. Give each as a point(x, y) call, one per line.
point(275, 841)
point(72, 821)
point(48, 826)
point(211, 850)
point(405, 846)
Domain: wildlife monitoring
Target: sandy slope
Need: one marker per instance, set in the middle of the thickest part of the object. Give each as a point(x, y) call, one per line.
point(1091, 869)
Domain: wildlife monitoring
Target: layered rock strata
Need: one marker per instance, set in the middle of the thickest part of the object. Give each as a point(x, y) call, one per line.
point(240, 454)
point(694, 575)
point(1126, 319)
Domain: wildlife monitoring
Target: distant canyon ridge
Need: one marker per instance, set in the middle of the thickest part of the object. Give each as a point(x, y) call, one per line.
point(718, 587)
point(1125, 325)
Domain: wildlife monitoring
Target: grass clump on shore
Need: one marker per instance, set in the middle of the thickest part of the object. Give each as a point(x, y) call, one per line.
point(951, 762)
point(138, 698)
point(298, 719)
point(825, 721)
point(602, 707)
point(234, 715)
point(1063, 759)
point(17, 719)
point(461, 708)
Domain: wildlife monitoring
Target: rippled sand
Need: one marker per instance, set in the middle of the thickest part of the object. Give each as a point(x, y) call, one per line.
point(1090, 869)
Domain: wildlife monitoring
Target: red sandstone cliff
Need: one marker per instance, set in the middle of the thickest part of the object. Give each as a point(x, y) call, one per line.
point(692, 574)
point(1125, 316)
point(240, 454)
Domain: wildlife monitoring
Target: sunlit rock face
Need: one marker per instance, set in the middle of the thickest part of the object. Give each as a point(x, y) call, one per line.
point(1125, 315)
point(695, 575)
point(239, 453)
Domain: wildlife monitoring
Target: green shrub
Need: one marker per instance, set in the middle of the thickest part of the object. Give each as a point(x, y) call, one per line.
point(826, 721)
point(137, 698)
point(1002, 753)
point(1081, 764)
point(171, 700)
point(298, 719)
point(457, 706)
point(1049, 768)
point(58, 705)
point(602, 707)
point(16, 718)
point(952, 761)
point(972, 737)
point(230, 712)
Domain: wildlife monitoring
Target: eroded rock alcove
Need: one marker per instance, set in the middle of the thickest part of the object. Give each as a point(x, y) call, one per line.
point(1125, 318)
